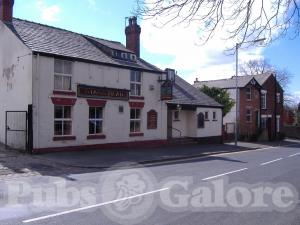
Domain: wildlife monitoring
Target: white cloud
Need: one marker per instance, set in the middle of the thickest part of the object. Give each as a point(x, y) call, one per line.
point(208, 61)
point(91, 3)
point(297, 96)
point(49, 13)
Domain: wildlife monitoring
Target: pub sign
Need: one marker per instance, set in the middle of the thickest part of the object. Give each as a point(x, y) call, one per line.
point(86, 91)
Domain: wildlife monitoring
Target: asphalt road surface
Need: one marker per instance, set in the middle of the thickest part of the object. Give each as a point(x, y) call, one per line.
point(249, 188)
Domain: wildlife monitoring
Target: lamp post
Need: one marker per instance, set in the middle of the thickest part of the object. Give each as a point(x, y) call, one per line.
point(237, 46)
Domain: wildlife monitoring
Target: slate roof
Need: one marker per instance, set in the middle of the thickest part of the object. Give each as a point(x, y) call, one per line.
point(59, 42)
point(186, 94)
point(230, 83)
point(55, 41)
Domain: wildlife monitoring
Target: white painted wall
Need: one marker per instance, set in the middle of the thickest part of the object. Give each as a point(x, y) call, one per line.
point(211, 127)
point(116, 125)
point(187, 124)
point(15, 80)
point(230, 116)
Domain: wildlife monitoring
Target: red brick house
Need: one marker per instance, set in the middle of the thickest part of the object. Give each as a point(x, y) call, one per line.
point(260, 105)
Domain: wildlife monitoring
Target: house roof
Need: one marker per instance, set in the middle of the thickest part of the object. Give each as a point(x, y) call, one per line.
point(231, 83)
point(186, 94)
point(59, 42)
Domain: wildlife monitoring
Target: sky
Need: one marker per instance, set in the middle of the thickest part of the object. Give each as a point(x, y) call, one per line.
point(174, 47)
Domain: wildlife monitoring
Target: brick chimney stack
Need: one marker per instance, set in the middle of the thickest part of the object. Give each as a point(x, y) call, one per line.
point(6, 10)
point(133, 31)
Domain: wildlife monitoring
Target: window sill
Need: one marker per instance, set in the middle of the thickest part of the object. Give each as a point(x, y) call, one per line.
point(62, 92)
point(95, 136)
point(64, 138)
point(206, 120)
point(214, 120)
point(137, 134)
point(137, 97)
point(176, 120)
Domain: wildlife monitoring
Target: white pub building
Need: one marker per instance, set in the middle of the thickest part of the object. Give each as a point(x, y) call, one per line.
point(61, 90)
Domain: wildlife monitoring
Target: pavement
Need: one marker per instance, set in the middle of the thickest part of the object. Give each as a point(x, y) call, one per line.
point(172, 193)
point(107, 158)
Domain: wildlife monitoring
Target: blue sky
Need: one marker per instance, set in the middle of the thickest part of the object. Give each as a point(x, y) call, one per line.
point(174, 47)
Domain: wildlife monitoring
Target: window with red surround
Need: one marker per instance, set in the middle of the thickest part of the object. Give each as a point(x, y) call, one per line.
point(64, 138)
point(98, 136)
point(96, 102)
point(63, 101)
point(69, 93)
point(138, 105)
point(136, 134)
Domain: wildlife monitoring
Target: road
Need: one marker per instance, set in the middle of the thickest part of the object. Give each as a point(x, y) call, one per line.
point(174, 193)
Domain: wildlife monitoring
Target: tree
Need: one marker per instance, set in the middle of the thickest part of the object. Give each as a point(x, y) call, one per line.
point(242, 20)
point(260, 66)
point(219, 95)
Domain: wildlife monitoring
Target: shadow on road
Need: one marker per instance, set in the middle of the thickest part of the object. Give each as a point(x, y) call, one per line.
point(64, 164)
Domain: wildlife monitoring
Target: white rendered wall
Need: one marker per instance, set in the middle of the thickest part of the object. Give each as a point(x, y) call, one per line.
point(211, 128)
point(187, 124)
point(15, 80)
point(230, 116)
point(116, 125)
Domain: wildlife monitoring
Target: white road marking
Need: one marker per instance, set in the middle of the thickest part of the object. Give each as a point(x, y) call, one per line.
point(294, 154)
point(223, 174)
point(275, 160)
point(91, 206)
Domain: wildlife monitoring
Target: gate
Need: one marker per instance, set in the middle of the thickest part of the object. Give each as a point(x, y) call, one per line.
point(16, 130)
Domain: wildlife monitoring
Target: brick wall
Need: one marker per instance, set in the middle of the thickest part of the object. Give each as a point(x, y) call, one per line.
point(292, 132)
point(249, 128)
point(272, 88)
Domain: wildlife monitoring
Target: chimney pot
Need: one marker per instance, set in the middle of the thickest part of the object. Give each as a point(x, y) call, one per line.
point(6, 10)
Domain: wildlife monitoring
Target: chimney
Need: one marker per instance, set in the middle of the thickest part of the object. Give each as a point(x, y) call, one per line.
point(133, 31)
point(6, 10)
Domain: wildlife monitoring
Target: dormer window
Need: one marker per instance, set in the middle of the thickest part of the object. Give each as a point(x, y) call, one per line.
point(133, 57)
point(124, 55)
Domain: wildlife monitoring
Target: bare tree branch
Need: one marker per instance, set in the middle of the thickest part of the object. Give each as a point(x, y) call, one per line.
point(243, 20)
